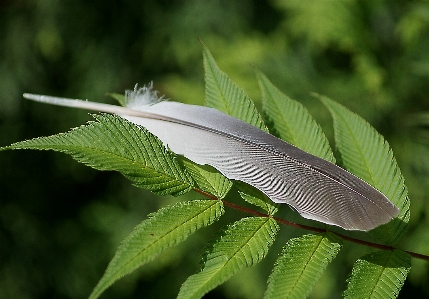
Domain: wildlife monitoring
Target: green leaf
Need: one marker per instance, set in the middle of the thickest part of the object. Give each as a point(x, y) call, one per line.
point(243, 244)
point(292, 122)
point(113, 143)
point(379, 275)
point(260, 202)
point(256, 197)
point(365, 153)
point(224, 95)
point(119, 97)
point(301, 264)
point(165, 228)
point(207, 178)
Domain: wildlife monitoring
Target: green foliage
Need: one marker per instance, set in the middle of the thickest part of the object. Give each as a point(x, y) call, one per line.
point(112, 143)
point(365, 153)
point(294, 123)
point(370, 56)
point(242, 244)
point(326, 22)
point(300, 265)
point(385, 273)
point(163, 229)
point(226, 96)
point(207, 179)
point(119, 97)
point(256, 198)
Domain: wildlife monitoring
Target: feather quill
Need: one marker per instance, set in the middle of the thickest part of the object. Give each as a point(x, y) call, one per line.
point(315, 188)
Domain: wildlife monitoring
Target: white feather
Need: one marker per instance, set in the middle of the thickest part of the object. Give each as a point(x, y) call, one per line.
point(315, 188)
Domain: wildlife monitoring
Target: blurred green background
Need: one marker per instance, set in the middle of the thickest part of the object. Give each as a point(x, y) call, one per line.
point(61, 222)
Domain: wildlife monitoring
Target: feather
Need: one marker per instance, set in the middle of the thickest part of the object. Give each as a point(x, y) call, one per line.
point(315, 188)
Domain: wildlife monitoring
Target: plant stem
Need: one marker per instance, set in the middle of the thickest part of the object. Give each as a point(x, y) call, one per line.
point(312, 228)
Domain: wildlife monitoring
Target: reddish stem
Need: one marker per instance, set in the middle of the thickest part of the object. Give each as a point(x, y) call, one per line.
point(311, 228)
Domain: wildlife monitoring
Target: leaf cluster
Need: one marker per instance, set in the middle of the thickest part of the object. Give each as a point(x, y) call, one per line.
point(112, 143)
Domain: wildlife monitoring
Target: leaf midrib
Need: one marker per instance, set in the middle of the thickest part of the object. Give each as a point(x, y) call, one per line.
point(384, 268)
point(217, 84)
point(284, 121)
point(361, 153)
point(305, 267)
point(73, 149)
point(169, 232)
point(229, 259)
point(158, 240)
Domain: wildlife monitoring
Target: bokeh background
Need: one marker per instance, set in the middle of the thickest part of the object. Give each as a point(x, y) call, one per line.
point(61, 222)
